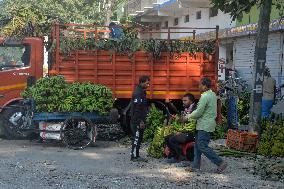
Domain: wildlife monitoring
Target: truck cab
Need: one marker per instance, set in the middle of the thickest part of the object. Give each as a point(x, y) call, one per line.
point(21, 62)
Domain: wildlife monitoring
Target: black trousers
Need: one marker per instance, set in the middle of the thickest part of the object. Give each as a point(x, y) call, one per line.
point(137, 137)
point(174, 142)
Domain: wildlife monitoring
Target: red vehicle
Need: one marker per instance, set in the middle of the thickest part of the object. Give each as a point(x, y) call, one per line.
point(21, 63)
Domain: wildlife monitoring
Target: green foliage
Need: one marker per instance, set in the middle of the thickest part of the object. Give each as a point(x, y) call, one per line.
point(155, 47)
point(272, 139)
point(236, 8)
point(20, 18)
point(53, 94)
point(233, 153)
point(155, 120)
point(220, 131)
point(243, 106)
point(129, 44)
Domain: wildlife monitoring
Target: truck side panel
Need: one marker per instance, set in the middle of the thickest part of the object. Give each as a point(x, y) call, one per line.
point(171, 76)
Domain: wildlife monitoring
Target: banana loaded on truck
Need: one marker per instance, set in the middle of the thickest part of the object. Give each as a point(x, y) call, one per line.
point(82, 55)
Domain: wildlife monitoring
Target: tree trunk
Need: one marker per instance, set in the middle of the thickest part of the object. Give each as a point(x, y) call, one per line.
point(258, 67)
point(108, 11)
point(108, 14)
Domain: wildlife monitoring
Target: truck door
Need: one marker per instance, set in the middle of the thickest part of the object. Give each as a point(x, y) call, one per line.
point(16, 67)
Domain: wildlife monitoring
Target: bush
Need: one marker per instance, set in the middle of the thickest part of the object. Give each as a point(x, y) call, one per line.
point(272, 139)
point(243, 107)
point(220, 131)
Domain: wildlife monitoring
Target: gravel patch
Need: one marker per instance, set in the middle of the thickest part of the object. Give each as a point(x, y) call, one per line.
point(29, 165)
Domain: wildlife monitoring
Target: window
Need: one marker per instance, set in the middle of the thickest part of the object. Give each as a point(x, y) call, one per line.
point(198, 15)
point(186, 18)
point(166, 24)
point(14, 56)
point(213, 12)
point(157, 26)
point(175, 21)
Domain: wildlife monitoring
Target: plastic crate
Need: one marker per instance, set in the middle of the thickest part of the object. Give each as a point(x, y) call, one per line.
point(242, 140)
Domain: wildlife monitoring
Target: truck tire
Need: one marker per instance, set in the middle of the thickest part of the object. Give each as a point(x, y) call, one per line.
point(78, 132)
point(14, 121)
point(1, 127)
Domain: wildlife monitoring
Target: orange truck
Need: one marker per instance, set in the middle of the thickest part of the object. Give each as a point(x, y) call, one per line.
point(21, 64)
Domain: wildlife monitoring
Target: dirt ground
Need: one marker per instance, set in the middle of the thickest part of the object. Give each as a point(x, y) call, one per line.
point(32, 165)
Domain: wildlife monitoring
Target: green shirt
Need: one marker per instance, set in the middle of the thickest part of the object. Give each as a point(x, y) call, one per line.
point(206, 112)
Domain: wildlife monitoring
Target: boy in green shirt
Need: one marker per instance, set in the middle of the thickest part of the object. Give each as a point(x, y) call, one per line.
point(205, 114)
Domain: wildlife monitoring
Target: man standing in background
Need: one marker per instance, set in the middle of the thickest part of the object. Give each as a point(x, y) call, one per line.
point(269, 86)
point(138, 116)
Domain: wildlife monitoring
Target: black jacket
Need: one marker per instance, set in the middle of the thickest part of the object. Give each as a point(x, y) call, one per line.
point(138, 106)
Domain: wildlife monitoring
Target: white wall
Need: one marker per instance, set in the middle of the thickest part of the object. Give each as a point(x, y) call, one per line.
point(222, 62)
point(223, 20)
point(162, 1)
point(244, 50)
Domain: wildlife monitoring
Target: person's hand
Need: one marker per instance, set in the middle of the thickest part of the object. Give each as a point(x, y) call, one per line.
point(178, 133)
point(173, 116)
point(142, 125)
point(167, 101)
point(183, 119)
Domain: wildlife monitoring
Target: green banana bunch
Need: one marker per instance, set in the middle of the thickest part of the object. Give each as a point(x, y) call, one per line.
point(154, 120)
point(129, 44)
point(156, 148)
point(53, 94)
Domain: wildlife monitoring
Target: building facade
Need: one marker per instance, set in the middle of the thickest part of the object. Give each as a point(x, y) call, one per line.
point(237, 38)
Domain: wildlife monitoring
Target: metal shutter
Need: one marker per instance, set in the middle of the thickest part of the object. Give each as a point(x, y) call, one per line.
point(244, 48)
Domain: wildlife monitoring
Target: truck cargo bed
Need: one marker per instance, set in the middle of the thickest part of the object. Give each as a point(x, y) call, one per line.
point(171, 76)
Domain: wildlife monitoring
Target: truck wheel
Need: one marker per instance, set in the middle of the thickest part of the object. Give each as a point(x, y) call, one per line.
point(78, 132)
point(15, 122)
point(1, 127)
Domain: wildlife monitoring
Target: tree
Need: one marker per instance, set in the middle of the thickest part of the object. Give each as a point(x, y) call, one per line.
point(19, 18)
point(109, 7)
point(236, 8)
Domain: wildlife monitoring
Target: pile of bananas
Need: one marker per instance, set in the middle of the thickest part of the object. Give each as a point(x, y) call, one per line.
point(156, 148)
point(154, 120)
point(187, 127)
point(53, 94)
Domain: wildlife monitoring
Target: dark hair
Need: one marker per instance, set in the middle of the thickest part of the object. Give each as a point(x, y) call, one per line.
point(266, 72)
point(144, 78)
point(206, 82)
point(190, 96)
point(112, 24)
